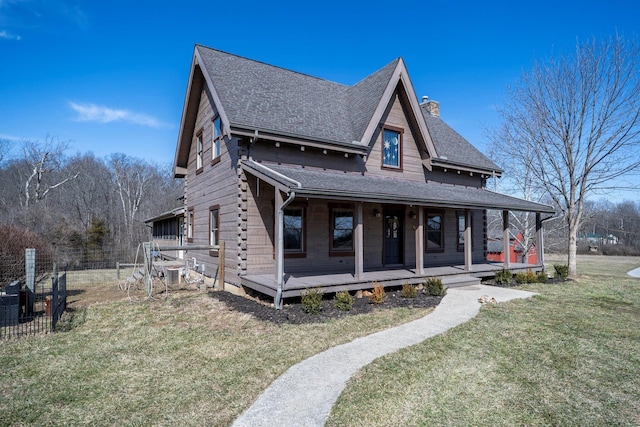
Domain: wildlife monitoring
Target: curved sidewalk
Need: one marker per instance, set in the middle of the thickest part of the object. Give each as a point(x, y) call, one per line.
point(305, 393)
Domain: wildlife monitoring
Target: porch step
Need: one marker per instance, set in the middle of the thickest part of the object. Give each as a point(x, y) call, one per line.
point(460, 280)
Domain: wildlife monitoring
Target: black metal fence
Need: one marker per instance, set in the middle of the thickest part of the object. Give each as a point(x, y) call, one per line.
point(34, 303)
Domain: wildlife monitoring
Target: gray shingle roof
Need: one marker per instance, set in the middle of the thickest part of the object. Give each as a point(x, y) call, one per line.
point(454, 147)
point(353, 186)
point(262, 96)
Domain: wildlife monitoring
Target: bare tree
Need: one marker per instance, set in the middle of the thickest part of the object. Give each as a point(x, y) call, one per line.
point(575, 120)
point(44, 159)
point(5, 147)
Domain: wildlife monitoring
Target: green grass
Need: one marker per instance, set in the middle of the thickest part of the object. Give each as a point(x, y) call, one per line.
point(188, 360)
point(569, 356)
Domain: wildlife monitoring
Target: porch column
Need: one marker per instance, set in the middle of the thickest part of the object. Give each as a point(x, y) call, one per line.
point(420, 243)
point(506, 240)
point(278, 231)
point(539, 240)
point(359, 244)
point(468, 254)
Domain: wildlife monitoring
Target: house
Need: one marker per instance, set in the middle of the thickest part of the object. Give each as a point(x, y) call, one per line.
point(517, 251)
point(167, 229)
point(312, 183)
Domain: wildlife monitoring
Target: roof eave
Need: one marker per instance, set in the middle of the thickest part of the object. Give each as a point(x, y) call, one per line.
point(301, 140)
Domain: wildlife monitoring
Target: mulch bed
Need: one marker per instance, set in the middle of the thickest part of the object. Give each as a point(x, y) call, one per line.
point(292, 311)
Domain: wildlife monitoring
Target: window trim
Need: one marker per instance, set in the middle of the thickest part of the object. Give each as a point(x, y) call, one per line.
point(400, 132)
point(199, 151)
point(298, 253)
point(216, 208)
point(190, 224)
point(427, 213)
point(341, 252)
point(216, 140)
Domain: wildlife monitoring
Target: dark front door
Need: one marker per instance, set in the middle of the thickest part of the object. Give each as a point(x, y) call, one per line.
point(393, 236)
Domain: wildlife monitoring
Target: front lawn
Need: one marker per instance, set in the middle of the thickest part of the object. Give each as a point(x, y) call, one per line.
point(569, 356)
point(189, 360)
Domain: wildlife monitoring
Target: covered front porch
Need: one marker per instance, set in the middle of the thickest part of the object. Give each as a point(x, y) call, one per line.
point(452, 276)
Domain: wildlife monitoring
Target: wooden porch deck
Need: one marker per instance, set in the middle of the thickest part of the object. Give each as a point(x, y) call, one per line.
point(451, 276)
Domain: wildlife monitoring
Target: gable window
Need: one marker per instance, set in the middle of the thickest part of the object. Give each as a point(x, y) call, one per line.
point(216, 140)
point(434, 231)
point(199, 152)
point(391, 148)
point(294, 230)
point(214, 229)
point(341, 231)
point(190, 217)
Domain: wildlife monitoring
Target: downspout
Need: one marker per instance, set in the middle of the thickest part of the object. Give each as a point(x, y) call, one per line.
point(280, 251)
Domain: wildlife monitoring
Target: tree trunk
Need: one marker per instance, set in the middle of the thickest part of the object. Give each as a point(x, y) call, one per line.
point(573, 249)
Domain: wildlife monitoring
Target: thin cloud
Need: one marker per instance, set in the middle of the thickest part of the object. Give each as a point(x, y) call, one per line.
point(8, 36)
point(88, 112)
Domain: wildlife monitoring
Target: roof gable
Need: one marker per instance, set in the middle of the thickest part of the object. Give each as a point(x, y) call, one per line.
point(253, 96)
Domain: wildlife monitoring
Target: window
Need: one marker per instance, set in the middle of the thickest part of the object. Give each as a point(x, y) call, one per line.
point(214, 231)
point(199, 151)
point(213, 225)
point(391, 148)
point(434, 231)
point(190, 224)
point(294, 230)
point(216, 140)
point(341, 231)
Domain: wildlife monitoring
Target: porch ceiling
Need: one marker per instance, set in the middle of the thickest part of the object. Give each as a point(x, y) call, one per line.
point(354, 186)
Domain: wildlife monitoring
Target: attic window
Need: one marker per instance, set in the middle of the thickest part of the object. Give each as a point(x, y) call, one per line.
point(216, 137)
point(392, 148)
point(199, 151)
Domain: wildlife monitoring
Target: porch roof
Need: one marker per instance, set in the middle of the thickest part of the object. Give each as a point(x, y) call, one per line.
point(339, 185)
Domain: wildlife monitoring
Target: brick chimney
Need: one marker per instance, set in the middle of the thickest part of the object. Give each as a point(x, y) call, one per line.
point(431, 107)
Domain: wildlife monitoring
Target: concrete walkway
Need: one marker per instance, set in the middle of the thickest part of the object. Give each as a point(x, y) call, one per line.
point(304, 394)
point(634, 273)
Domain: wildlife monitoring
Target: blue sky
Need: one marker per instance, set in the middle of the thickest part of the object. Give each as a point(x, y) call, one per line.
point(111, 76)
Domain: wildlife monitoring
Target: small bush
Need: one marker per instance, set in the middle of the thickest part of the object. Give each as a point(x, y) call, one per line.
point(311, 301)
point(521, 278)
point(503, 277)
point(531, 276)
point(408, 291)
point(343, 301)
point(378, 295)
point(562, 271)
point(542, 277)
point(433, 287)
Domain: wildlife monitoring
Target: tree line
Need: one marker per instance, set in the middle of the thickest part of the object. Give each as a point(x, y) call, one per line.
point(83, 206)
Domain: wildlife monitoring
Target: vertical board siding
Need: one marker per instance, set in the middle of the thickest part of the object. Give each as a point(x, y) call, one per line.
point(412, 168)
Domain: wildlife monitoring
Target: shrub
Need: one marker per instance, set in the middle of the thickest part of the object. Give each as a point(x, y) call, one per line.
point(408, 291)
point(531, 276)
point(343, 301)
point(433, 287)
point(311, 301)
point(562, 271)
point(542, 277)
point(503, 277)
point(378, 295)
point(521, 278)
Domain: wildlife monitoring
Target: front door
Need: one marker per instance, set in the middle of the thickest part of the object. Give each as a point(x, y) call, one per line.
point(393, 241)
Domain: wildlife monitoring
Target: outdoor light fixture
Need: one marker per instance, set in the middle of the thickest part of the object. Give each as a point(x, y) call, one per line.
point(377, 213)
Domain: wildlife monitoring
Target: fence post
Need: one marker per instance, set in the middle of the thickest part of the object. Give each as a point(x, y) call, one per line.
point(221, 265)
point(30, 270)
